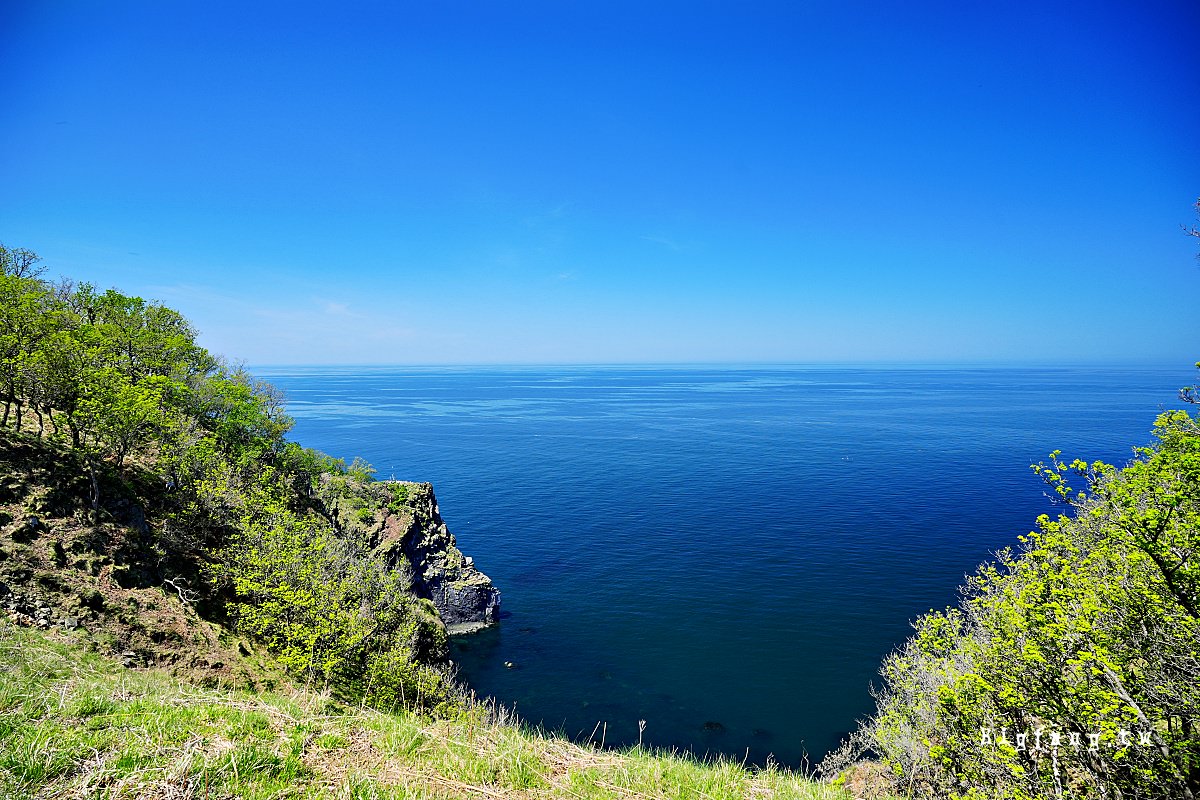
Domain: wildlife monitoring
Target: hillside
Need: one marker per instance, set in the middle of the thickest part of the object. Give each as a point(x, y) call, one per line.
point(145, 595)
point(138, 467)
point(126, 592)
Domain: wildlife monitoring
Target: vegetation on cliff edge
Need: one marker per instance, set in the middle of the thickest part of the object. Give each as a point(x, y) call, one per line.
point(138, 460)
point(1072, 666)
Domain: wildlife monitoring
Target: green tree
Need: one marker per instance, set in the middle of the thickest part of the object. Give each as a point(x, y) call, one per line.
point(26, 307)
point(1088, 630)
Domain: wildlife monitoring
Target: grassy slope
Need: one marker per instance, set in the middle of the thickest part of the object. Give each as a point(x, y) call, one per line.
point(77, 724)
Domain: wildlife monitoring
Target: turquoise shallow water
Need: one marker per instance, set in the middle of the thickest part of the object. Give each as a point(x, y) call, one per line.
point(724, 553)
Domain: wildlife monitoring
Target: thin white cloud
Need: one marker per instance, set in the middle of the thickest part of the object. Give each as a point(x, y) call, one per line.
point(670, 244)
point(548, 215)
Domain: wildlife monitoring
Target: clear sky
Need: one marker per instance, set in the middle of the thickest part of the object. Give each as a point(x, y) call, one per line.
point(616, 182)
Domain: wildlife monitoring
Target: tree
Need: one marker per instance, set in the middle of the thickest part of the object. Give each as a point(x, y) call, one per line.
point(1072, 662)
point(238, 505)
point(26, 311)
point(20, 263)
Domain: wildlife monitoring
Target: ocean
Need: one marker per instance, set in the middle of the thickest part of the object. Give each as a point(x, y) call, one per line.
point(724, 553)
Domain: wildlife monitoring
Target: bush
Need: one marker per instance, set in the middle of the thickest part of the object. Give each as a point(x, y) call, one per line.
point(334, 614)
point(1071, 666)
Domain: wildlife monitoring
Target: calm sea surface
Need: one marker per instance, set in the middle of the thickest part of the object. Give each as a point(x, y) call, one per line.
point(724, 553)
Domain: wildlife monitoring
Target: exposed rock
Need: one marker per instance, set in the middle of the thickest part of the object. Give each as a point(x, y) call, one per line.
point(91, 598)
point(462, 594)
point(401, 523)
point(28, 530)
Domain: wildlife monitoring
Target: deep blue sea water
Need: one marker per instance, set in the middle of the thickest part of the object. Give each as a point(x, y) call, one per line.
point(724, 553)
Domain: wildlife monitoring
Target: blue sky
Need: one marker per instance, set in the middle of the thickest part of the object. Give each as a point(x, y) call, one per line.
point(616, 182)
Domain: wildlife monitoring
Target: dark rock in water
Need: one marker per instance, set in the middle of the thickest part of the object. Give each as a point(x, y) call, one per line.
point(714, 727)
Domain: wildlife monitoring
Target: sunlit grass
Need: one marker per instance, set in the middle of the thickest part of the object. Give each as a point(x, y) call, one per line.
point(75, 724)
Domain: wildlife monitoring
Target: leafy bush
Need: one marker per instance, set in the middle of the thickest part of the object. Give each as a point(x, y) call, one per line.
point(398, 497)
point(1071, 667)
point(334, 614)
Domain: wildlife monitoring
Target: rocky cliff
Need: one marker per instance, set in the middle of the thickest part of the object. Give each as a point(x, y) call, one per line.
point(400, 522)
point(117, 562)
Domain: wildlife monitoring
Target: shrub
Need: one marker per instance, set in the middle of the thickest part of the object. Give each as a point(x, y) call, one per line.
point(1072, 665)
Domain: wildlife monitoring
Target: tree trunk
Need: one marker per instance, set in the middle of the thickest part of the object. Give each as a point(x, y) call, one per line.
point(10, 397)
point(91, 466)
point(1115, 683)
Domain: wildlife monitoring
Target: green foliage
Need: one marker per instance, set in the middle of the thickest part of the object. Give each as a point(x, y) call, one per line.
point(1090, 630)
point(398, 500)
point(125, 383)
point(360, 470)
point(333, 613)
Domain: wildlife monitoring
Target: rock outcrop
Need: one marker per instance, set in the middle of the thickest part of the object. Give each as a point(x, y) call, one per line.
point(400, 522)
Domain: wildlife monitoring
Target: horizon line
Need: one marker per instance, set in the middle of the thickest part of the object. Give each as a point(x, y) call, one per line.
point(881, 364)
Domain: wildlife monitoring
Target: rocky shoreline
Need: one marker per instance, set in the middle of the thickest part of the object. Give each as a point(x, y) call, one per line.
point(413, 539)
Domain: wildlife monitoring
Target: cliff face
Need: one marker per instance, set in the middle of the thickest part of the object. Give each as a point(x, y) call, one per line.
point(399, 521)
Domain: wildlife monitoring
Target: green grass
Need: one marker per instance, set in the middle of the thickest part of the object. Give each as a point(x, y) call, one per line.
point(75, 724)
